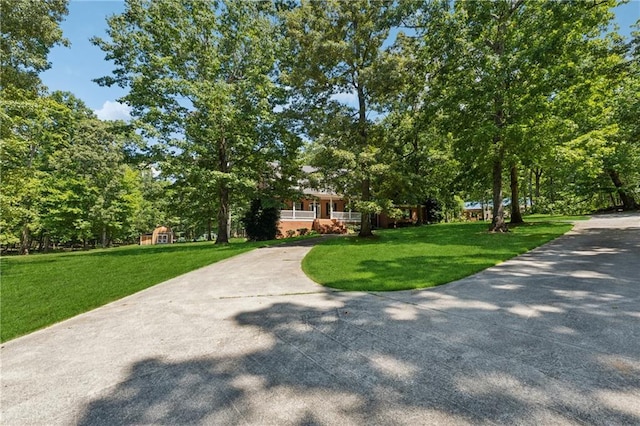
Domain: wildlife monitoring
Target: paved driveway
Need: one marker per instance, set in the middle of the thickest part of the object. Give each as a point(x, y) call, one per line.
point(552, 337)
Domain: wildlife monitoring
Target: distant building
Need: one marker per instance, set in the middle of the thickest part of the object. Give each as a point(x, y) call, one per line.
point(327, 212)
point(160, 235)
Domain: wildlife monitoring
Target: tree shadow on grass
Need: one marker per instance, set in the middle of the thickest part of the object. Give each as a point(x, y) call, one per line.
point(411, 272)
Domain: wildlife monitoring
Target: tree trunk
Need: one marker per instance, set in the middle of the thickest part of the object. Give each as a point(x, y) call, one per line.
point(497, 222)
point(530, 192)
point(223, 193)
point(46, 243)
point(104, 236)
point(25, 240)
point(628, 202)
point(223, 215)
point(499, 118)
point(538, 175)
point(516, 216)
point(209, 228)
point(365, 219)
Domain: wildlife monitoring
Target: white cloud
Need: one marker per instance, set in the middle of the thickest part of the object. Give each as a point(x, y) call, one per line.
point(114, 111)
point(346, 98)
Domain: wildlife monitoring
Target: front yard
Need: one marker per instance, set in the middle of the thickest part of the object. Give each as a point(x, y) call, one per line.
point(39, 290)
point(426, 256)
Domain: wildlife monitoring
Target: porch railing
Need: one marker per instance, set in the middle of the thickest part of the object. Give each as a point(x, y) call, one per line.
point(297, 215)
point(346, 216)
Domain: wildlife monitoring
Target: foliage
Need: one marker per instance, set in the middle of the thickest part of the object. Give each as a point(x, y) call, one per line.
point(29, 30)
point(496, 66)
point(597, 159)
point(336, 48)
point(420, 257)
point(261, 222)
point(201, 79)
point(402, 103)
point(66, 176)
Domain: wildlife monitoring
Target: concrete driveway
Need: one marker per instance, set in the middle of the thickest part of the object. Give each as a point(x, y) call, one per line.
point(552, 337)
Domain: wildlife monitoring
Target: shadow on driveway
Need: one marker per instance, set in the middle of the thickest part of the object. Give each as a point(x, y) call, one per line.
point(552, 337)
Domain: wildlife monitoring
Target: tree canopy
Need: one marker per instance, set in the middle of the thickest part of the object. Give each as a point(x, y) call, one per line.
point(396, 103)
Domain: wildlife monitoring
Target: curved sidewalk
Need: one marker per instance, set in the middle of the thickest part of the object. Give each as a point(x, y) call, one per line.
point(552, 336)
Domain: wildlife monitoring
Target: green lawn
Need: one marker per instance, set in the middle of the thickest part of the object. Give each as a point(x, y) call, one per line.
point(39, 290)
point(418, 257)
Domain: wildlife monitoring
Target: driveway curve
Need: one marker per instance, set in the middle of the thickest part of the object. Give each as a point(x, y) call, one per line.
point(550, 337)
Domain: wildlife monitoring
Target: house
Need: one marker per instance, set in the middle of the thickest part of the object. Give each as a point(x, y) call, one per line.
point(475, 211)
point(321, 211)
point(160, 235)
point(327, 212)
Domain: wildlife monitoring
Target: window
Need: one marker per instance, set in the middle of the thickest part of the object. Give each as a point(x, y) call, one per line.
point(163, 239)
point(298, 205)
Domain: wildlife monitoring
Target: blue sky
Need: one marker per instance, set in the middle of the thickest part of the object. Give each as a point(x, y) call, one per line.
point(74, 68)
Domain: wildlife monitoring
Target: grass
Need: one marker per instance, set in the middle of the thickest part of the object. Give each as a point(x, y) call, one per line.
point(39, 290)
point(419, 257)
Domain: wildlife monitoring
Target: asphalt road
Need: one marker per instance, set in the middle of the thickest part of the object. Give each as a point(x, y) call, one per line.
point(551, 337)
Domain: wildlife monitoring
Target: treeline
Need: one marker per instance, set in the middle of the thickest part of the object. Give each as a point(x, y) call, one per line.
point(394, 102)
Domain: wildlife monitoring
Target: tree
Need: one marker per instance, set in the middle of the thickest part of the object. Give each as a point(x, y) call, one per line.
point(90, 191)
point(418, 145)
point(29, 139)
point(29, 29)
point(501, 62)
point(202, 76)
point(336, 47)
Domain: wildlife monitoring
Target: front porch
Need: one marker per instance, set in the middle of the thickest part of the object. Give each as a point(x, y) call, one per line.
point(319, 208)
point(303, 215)
point(326, 216)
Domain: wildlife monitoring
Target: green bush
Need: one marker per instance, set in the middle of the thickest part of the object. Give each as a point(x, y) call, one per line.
point(261, 222)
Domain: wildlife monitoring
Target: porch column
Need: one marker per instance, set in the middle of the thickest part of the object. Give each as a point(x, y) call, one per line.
point(293, 203)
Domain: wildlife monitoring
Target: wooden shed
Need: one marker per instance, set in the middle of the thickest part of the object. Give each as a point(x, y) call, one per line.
point(160, 235)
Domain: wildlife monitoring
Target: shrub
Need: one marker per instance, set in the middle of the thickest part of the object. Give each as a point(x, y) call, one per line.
point(261, 222)
point(303, 231)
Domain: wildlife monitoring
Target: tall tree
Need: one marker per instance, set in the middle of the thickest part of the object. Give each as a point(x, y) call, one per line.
point(29, 139)
point(202, 75)
point(29, 29)
point(90, 192)
point(602, 146)
point(505, 60)
point(336, 49)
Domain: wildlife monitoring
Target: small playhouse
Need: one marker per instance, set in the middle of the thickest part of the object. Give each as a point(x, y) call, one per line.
point(160, 235)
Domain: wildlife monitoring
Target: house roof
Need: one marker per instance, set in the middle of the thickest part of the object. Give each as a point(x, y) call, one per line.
point(307, 189)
